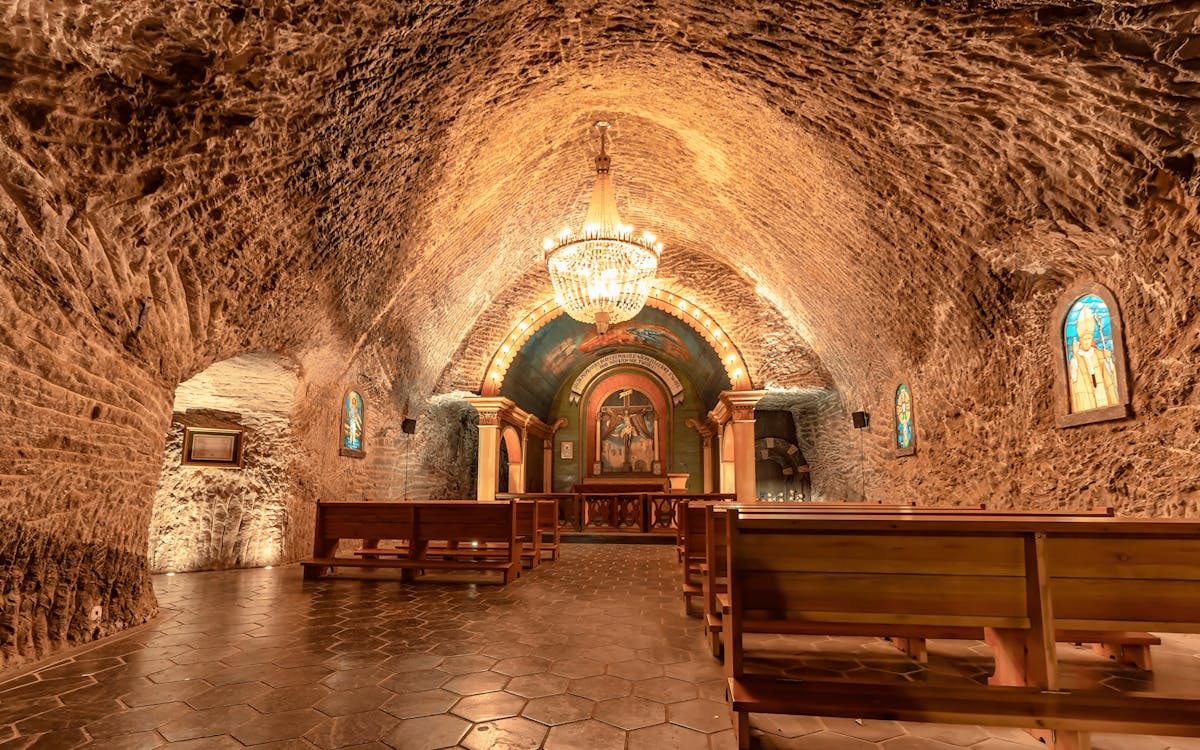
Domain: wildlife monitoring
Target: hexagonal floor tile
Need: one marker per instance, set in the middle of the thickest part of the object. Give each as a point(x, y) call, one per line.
point(488, 706)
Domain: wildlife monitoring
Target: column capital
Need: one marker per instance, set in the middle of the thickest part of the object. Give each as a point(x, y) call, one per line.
point(706, 428)
point(735, 405)
point(492, 409)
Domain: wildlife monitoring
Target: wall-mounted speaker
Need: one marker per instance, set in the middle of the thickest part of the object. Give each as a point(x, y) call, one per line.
point(861, 419)
point(408, 426)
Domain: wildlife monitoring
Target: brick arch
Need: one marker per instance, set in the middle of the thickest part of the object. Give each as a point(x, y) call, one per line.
point(660, 299)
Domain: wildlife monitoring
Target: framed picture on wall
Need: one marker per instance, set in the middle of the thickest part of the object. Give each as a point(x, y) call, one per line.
point(221, 449)
point(566, 449)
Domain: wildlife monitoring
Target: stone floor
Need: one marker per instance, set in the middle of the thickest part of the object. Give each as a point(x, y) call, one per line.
point(589, 653)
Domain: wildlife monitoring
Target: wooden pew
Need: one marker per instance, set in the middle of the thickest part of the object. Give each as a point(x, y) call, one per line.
point(547, 523)
point(691, 534)
point(1129, 647)
point(535, 518)
point(1020, 579)
point(713, 544)
point(458, 524)
point(563, 516)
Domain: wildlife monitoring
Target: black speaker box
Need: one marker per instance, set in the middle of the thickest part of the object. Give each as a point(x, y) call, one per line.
point(408, 426)
point(861, 419)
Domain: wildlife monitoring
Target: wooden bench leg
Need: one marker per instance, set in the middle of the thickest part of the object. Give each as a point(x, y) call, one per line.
point(1060, 740)
point(714, 643)
point(914, 648)
point(741, 728)
point(313, 572)
point(1008, 650)
point(1132, 654)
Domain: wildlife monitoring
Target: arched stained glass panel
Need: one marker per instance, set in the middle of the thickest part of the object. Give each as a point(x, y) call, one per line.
point(1088, 347)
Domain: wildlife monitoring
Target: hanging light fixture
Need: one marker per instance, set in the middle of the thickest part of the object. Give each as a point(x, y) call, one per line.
point(602, 274)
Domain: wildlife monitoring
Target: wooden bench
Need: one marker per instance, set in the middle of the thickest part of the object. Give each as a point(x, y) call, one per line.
point(550, 519)
point(691, 533)
point(1128, 647)
point(535, 518)
point(1019, 579)
point(457, 525)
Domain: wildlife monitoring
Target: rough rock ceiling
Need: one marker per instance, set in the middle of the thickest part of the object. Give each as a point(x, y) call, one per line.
point(211, 174)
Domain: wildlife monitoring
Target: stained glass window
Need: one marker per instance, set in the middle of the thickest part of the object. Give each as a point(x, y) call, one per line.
point(1088, 346)
point(904, 418)
point(352, 422)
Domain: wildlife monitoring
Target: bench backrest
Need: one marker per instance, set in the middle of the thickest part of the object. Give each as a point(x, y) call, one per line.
point(437, 520)
point(783, 572)
point(1125, 582)
point(548, 513)
point(1037, 573)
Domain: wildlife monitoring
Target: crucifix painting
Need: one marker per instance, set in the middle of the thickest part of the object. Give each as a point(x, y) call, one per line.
point(627, 440)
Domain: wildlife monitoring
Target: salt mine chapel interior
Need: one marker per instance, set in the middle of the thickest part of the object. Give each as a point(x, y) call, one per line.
point(590, 375)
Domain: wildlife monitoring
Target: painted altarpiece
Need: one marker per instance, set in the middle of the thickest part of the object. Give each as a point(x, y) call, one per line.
point(627, 415)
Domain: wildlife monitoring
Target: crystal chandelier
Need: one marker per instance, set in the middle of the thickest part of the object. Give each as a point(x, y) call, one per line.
point(602, 274)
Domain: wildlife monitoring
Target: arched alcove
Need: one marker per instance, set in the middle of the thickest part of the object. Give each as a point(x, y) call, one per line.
point(208, 516)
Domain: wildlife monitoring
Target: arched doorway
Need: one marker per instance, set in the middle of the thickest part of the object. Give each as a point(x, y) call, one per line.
point(727, 459)
point(511, 464)
point(210, 513)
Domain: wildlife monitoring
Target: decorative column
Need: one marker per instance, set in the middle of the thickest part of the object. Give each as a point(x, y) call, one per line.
point(495, 412)
point(737, 408)
point(548, 455)
point(707, 432)
point(490, 409)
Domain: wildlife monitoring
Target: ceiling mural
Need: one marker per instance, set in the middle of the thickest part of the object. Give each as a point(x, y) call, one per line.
point(564, 346)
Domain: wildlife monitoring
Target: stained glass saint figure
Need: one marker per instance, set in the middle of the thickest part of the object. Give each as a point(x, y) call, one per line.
point(904, 417)
point(352, 422)
point(1087, 337)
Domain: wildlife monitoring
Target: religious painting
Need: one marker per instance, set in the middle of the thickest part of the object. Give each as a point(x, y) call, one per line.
point(1091, 355)
point(626, 433)
point(636, 335)
point(906, 441)
point(220, 449)
point(566, 449)
point(352, 426)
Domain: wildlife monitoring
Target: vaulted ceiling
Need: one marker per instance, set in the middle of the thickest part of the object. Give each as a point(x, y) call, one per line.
point(854, 179)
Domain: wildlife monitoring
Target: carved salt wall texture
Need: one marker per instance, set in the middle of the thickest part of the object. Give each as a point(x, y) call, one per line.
point(442, 455)
point(83, 430)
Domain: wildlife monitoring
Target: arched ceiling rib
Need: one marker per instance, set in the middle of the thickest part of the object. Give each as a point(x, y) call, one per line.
point(875, 174)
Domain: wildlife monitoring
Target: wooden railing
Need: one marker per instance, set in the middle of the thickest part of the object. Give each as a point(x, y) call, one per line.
point(619, 512)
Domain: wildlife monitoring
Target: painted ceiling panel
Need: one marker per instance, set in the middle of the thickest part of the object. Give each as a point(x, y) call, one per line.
point(563, 345)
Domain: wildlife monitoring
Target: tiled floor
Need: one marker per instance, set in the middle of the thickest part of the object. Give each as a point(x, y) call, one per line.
point(589, 653)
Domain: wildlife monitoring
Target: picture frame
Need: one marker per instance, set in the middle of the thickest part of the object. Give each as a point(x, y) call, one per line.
point(566, 449)
point(212, 447)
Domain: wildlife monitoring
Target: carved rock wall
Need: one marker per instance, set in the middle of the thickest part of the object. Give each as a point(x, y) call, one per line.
point(889, 189)
point(83, 438)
